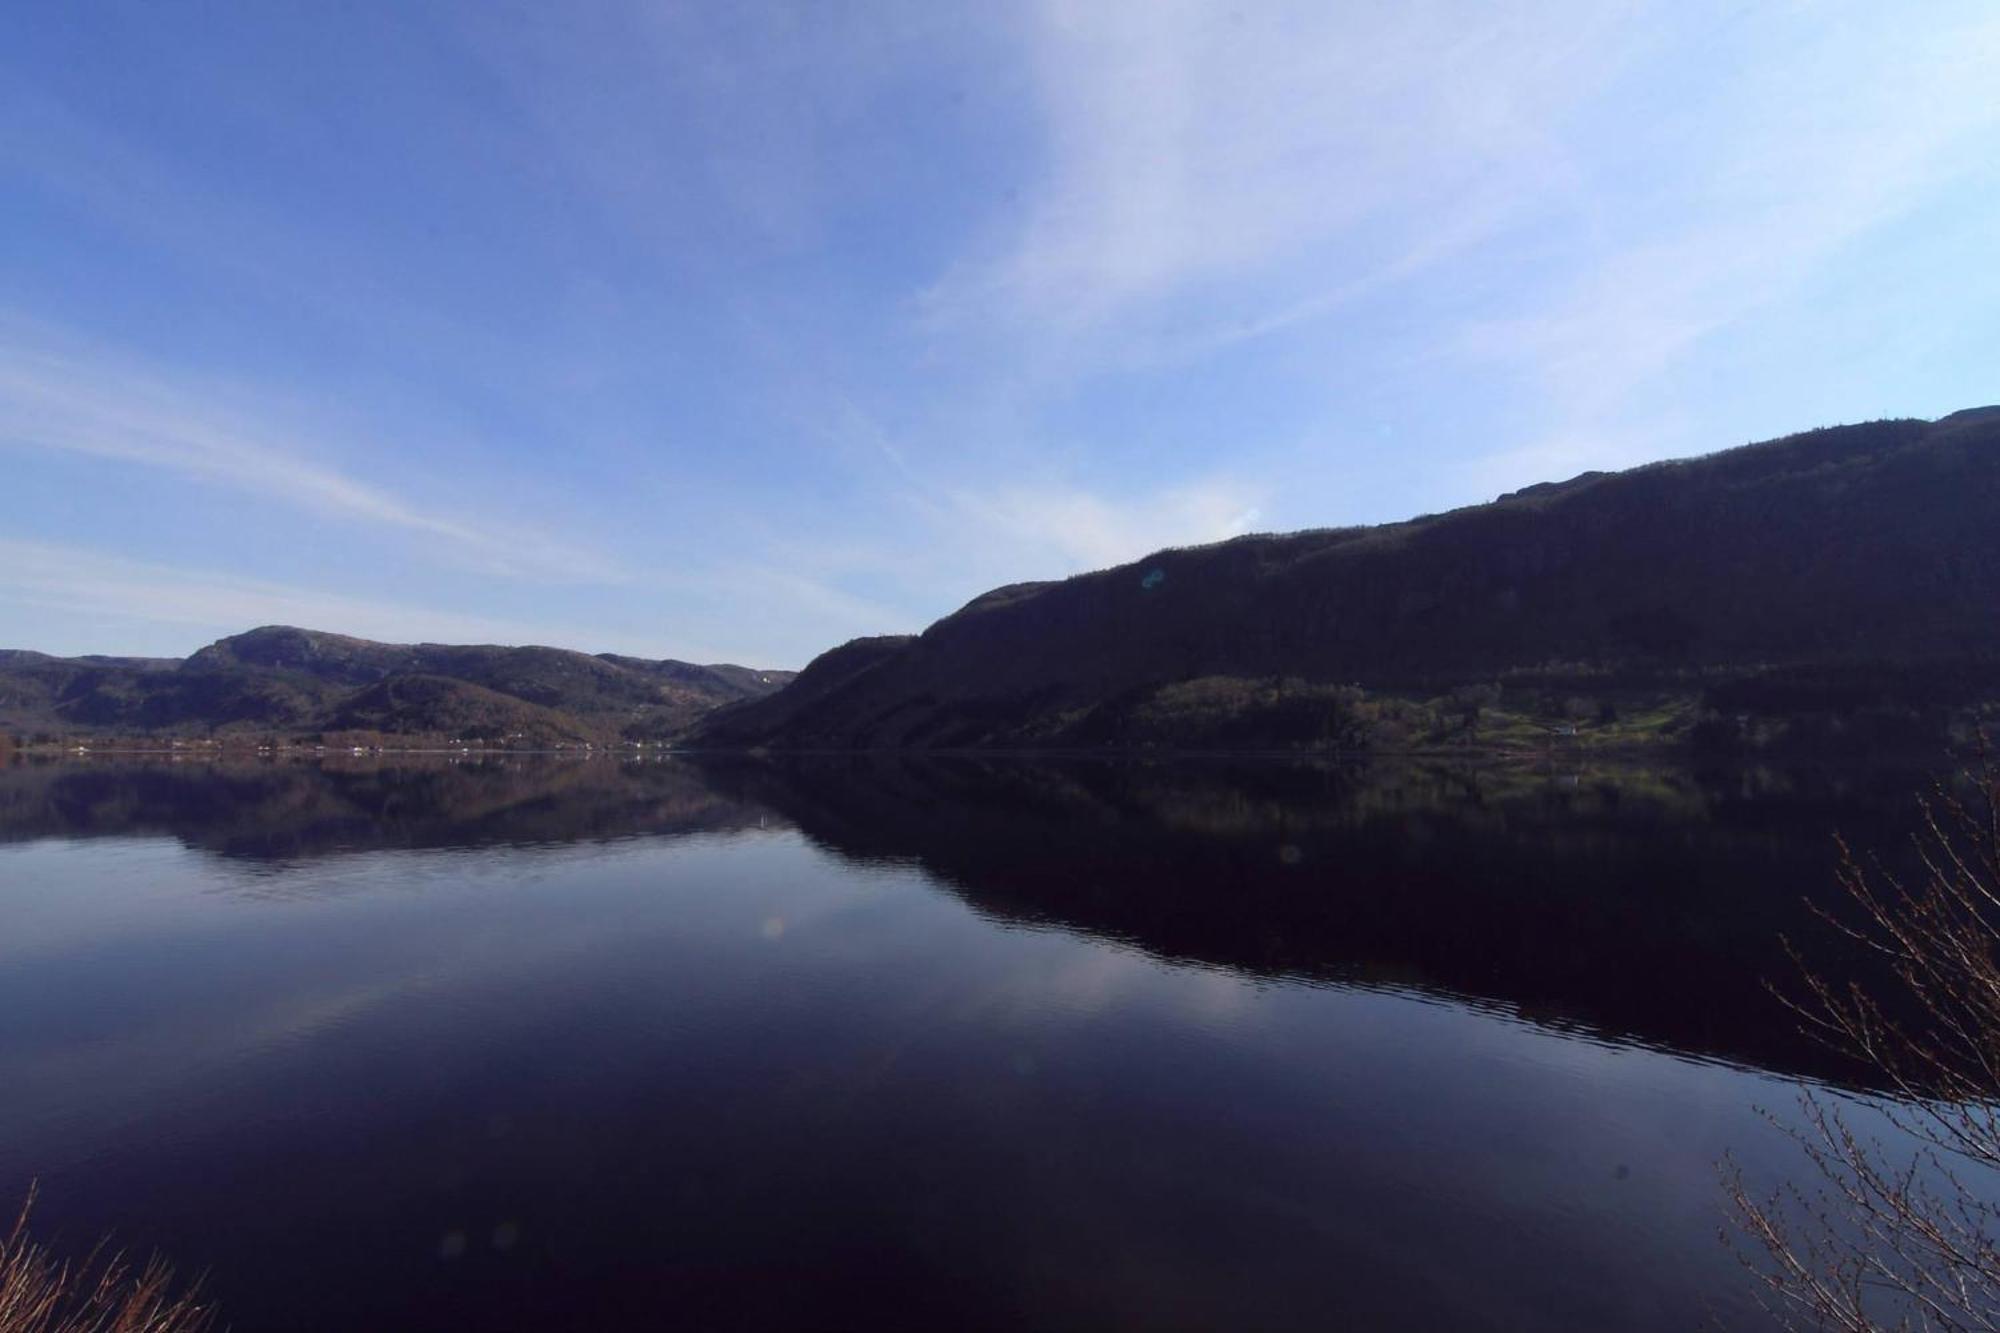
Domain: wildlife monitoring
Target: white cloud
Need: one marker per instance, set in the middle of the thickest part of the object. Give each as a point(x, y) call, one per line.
point(1608, 185)
point(1833, 144)
point(1065, 529)
point(993, 516)
point(54, 397)
point(79, 581)
point(1197, 142)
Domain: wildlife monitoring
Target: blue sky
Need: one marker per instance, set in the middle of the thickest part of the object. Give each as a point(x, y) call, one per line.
point(729, 332)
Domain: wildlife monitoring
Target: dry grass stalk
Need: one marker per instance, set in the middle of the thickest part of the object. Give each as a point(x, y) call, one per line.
point(104, 1293)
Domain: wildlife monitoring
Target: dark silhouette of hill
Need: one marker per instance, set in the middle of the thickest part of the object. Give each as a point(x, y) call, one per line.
point(284, 812)
point(290, 681)
point(1647, 905)
point(1854, 567)
point(1637, 904)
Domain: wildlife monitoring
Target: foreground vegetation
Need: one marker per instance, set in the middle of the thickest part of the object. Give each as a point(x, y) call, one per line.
point(102, 1293)
point(1903, 1237)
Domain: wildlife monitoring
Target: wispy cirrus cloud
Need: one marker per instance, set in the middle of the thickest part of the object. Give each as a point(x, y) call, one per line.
point(81, 581)
point(1834, 143)
point(981, 522)
point(1069, 529)
point(1563, 201)
point(1202, 151)
point(86, 401)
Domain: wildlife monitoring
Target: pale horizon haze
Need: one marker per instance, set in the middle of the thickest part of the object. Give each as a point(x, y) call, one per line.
point(730, 332)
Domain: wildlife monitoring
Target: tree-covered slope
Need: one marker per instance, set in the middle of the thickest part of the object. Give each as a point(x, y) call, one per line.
point(1854, 549)
point(290, 681)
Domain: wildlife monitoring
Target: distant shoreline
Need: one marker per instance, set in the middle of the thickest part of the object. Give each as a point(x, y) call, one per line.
point(1677, 750)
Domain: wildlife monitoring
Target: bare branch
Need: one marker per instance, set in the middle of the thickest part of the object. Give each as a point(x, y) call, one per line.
point(1902, 1235)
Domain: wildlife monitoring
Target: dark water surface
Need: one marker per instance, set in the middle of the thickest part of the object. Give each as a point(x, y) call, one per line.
point(846, 1044)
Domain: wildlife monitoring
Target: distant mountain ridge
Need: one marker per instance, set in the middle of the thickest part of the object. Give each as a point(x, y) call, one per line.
point(1863, 559)
point(284, 680)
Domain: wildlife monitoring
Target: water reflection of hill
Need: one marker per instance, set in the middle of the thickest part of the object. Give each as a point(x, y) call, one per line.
point(1638, 905)
point(286, 810)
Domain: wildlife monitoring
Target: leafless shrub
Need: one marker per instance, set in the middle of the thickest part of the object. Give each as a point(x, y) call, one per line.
point(104, 1293)
point(1898, 1231)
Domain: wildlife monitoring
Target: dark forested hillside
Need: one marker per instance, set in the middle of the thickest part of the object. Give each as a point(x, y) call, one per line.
point(288, 681)
point(1846, 573)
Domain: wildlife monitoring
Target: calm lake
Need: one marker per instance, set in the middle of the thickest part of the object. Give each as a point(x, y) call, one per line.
point(950, 1044)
